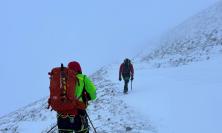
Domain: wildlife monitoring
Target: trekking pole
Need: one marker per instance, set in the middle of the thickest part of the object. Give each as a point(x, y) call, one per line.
point(131, 85)
point(91, 123)
point(52, 128)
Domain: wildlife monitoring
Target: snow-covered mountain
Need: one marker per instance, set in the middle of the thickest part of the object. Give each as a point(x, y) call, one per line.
point(184, 99)
point(198, 38)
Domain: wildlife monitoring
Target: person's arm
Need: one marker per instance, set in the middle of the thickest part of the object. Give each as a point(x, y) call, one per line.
point(90, 88)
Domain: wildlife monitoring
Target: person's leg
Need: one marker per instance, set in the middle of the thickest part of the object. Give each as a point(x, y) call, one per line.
point(84, 122)
point(64, 124)
point(81, 122)
point(126, 81)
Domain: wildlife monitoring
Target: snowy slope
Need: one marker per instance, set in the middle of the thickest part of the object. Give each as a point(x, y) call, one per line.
point(183, 99)
point(198, 38)
point(31, 118)
point(108, 112)
point(166, 100)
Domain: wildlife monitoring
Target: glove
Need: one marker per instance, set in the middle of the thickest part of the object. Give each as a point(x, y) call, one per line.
point(132, 78)
point(120, 78)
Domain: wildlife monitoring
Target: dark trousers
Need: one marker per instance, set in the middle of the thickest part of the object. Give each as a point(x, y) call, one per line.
point(70, 124)
point(126, 82)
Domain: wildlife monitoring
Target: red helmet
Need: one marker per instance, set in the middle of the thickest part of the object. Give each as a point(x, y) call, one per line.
point(74, 65)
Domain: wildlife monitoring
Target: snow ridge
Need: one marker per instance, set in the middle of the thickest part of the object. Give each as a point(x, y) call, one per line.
point(198, 38)
point(108, 113)
point(114, 115)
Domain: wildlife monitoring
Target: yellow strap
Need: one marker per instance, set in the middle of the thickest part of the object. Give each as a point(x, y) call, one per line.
point(65, 116)
point(69, 130)
point(83, 130)
point(64, 83)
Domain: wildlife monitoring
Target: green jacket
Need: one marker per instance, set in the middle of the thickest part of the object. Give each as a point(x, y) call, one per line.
point(89, 86)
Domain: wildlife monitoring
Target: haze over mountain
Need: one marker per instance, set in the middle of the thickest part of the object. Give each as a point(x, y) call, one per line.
point(39, 35)
point(182, 95)
point(198, 38)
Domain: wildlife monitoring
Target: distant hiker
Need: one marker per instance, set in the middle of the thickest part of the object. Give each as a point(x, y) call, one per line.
point(70, 92)
point(127, 72)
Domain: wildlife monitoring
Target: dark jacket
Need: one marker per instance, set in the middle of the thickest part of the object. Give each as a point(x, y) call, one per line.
point(126, 72)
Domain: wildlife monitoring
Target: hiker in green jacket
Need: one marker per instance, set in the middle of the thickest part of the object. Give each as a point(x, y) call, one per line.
point(85, 91)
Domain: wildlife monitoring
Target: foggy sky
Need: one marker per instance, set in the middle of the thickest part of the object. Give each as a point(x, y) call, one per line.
point(40, 34)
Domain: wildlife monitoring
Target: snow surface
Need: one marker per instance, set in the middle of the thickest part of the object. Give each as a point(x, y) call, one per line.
point(183, 99)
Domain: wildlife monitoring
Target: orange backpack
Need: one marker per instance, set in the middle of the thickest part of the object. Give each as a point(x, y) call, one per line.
point(62, 91)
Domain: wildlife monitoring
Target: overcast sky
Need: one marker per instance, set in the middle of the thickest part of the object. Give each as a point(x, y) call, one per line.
point(36, 35)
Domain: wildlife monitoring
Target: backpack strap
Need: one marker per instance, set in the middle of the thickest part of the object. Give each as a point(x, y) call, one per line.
point(84, 98)
point(85, 94)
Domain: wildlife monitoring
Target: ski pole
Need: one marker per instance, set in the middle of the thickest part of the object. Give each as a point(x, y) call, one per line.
point(131, 85)
point(91, 123)
point(52, 128)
